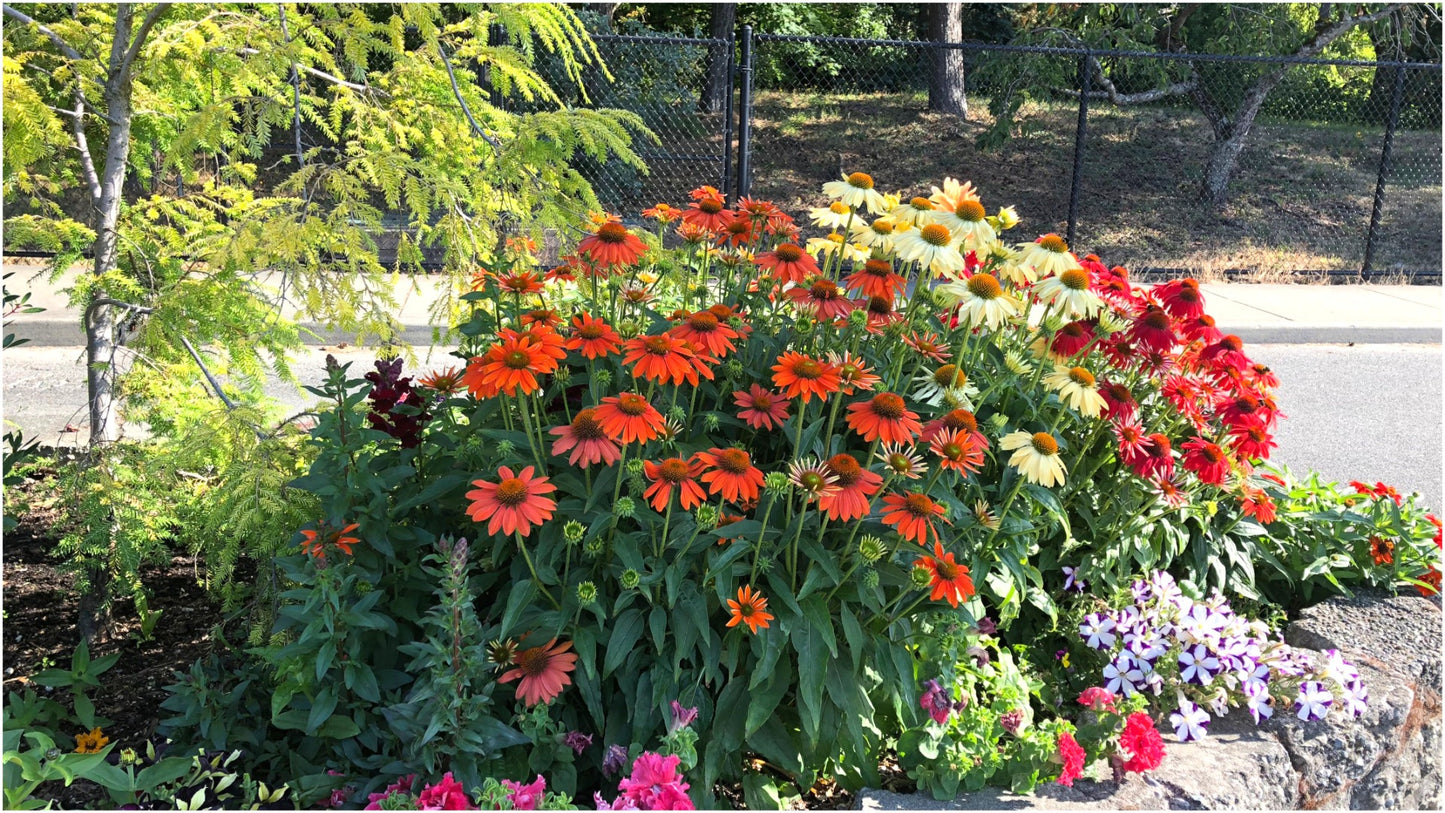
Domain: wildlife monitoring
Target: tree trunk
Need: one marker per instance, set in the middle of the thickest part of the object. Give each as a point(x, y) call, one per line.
point(1225, 157)
point(100, 328)
point(1386, 39)
point(945, 79)
point(715, 94)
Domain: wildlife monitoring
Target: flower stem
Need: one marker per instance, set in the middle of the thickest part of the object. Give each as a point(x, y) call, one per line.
point(535, 580)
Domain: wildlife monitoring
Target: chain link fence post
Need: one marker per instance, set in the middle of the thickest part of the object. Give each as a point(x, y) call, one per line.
point(1080, 135)
point(728, 111)
point(745, 114)
point(1397, 94)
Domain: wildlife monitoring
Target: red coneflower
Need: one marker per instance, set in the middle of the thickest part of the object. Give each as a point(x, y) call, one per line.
point(546, 340)
point(760, 408)
point(1071, 338)
point(1157, 460)
point(547, 317)
point(788, 263)
point(1246, 410)
point(928, 346)
point(884, 416)
point(853, 373)
point(912, 515)
point(708, 211)
point(948, 578)
point(511, 366)
point(587, 440)
point(1200, 329)
point(662, 213)
point(813, 479)
point(543, 670)
point(958, 451)
point(706, 333)
point(521, 283)
point(737, 232)
point(593, 337)
point(315, 542)
point(629, 417)
point(731, 474)
point(1119, 403)
point(801, 376)
point(1251, 442)
point(1153, 330)
point(821, 296)
point(1181, 298)
point(513, 505)
point(1227, 351)
point(1208, 462)
point(443, 382)
point(1170, 491)
point(960, 419)
point(661, 358)
point(612, 244)
point(750, 608)
point(1256, 503)
point(855, 485)
point(881, 313)
point(670, 473)
point(1260, 377)
point(1133, 442)
point(876, 278)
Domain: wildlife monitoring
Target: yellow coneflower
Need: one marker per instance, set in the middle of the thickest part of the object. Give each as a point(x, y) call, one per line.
point(969, 221)
point(933, 246)
point(875, 235)
point(1076, 388)
point(833, 216)
point(1036, 457)
point(1048, 256)
point(982, 301)
point(916, 212)
point(952, 194)
point(856, 190)
point(1069, 290)
point(836, 243)
point(983, 514)
point(1003, 262)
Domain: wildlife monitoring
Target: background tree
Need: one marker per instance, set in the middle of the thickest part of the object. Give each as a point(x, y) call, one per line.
point(221, 159)
point(945, 78)
point(719, 83)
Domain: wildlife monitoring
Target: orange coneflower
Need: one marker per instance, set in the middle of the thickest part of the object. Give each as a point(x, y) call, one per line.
point(443, 382)
point(629, 417)
point(543, 670)
point(853, 373)
point(546, 317)
point(661, 358)
point(881, 313)
point(886, 417)
point(760, 408)
point(612, 244)
point(587, 440)
point(511, 366)
point(737, 232)
point(724, 521)
point(823, 298)
point(798, 375)
point(912, 515)
point(960, 419)
point(788, 263)
point(674, 472)
point(637, 293)
point(731, 473)
point(774, 220)
point(750, 608)
point(593, 337)
point(662, 213)
point(545, 339)
point(949, 578)
point(707, 333)
point(958, 450)
point(513, 505)
point(708, 210)
point(315, 542)
point(521, 283)
point(876, 278)
point(855, 485)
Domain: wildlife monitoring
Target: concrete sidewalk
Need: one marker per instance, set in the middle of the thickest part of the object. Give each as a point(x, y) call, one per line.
point(1258, 314)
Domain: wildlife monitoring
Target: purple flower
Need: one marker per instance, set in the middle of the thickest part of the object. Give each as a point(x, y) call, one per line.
point(1313, 702)
point(1097, 631)
point(979, 655)
point(577, 741)
point(1141, 590)
point(1072, 581)
point(681, 717)
point(986, 626)
point(1356, 698)
point(1012, 721)
point(1123, 676)
point(1189, 722)
point(1261, 705)
point(614, 760)
point(936, 702)
point(1198, 665)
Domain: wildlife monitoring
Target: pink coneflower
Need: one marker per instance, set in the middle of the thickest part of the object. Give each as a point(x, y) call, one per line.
point(1133, 442)
point(760, 408)
point(674, 473)
point(1200, 329)
point(1227, 351)
point(586, 439)
point(853, 373)
point(822, 297)
point(901, 460)
point(1157, 460)
point(513, 505)
point(928, 346)
point(543, 672)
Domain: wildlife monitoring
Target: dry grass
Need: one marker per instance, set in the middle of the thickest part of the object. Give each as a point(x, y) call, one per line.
point(1300, 200)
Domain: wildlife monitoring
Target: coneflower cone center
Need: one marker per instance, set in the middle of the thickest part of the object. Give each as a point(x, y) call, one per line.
point(518, 360)
point(961, 419)
point(787, 252)
point(1044, 443)
point(1076, 279)
point(1156, 320)
point(879, 305)
point(702, 322)
point(935, 234)
point(612, 233)
point(1054, 243)
point(762, 402)
point(823, 289)
point(950, 376)
point(1231, 342)
point(918, 505)
point(877, 268)
point(952, 450)
point(861, 180)
point(1119, 392)
point(984, 286)
point(808, 369)
point(673, 471)
point(921, 204)
point(888, 406)
point(739, 227)
point(947, 571)
point(586, 426)
point(658, 345)
point(734, 461)
point(812, 481)
point(512, 492)
point(532, 662)
point(631, 404)
point(846, 469)
point(1082, 377)
point(969, 210)
point(882, 227)
point(710, 206)
point(1212, 453)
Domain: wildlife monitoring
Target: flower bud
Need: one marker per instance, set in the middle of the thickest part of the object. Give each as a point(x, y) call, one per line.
point(603, 378)
point(630, 579)
point(677, 413)
point(634, 468)
point(1110, 322)
point(625, 507)
point(858, 319)
point(711, 422)
point(573, 531)
point(871, 548)
point(128, 756)
point(921, 577)
point(998, 420)
point(1053, 323)
point(706, 517)
point(895, 330)
point(505, 448)
point(870, 579)
point(586, 593)
point(594, 546)
point(563, 374)
point(776, 483)
point(629, 328)
point(924, 295)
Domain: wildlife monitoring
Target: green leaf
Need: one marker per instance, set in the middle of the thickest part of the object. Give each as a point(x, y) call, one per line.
point(339, 727)
point(812, 668)
point(853, 631)
point(657, 623)
point(625, 633)
point(762, 704)
point(815, 610)
point(521, 597)
point(166, 770)
point(84, 710)
point(321, 708)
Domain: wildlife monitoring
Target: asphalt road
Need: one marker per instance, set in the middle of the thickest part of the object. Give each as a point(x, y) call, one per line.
point(1365, 412)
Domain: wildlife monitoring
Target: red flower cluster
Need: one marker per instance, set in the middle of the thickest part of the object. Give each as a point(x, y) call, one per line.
point(1142, 743)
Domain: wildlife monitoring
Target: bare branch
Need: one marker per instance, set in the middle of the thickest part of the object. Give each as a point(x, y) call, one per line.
point(1325, 36)
point(466, 109)
point(60, 43)
point(140, 35)
point(1112, 93)
point(87, 164)
point(295, 89)
point(335, 80)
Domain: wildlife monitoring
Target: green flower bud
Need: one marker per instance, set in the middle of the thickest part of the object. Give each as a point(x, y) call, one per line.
point(573, 531)
point(711, 421)
point(734, 369)
point(736, 322)
point(630, 579)
point(629, 328)
point(678, 413)
point(925, 296)
point(594, 546)
point(706, 517)
point(858, 319)
point(895, 330)
point(603, 378)
point(505, 447)
point(625, 507)
point(776, 483)
point(920, 577)
point(364, 587)
point(563, 374)
point(1053, 322)
point(1110, 322)
point(871, 548)
point(586, 593)
point(999, 420)
point(870, 579)
point(634, 468)
point(803, 326)
point(128, 756)
point(700, 290)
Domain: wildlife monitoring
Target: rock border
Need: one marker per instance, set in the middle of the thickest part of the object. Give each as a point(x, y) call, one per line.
point(1389, 758)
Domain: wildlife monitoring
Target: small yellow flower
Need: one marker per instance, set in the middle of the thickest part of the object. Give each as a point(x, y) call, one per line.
point(91, 742)
point(1008, 217)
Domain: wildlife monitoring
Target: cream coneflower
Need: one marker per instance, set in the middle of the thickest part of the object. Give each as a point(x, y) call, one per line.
point(1069, 290)
point(1048, 256)
point(933, 246)
point(901, 461)
point(983, 514)
point(916, 212)
point(981, 301)
point(813, 479)
point(1036, 457)
point(1015, 363)
point(834, 216)
point(877, 235)
point(947, 383)
point(1076, 388)
point(1003, 262)
point(968, 220)
point(856, 190)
